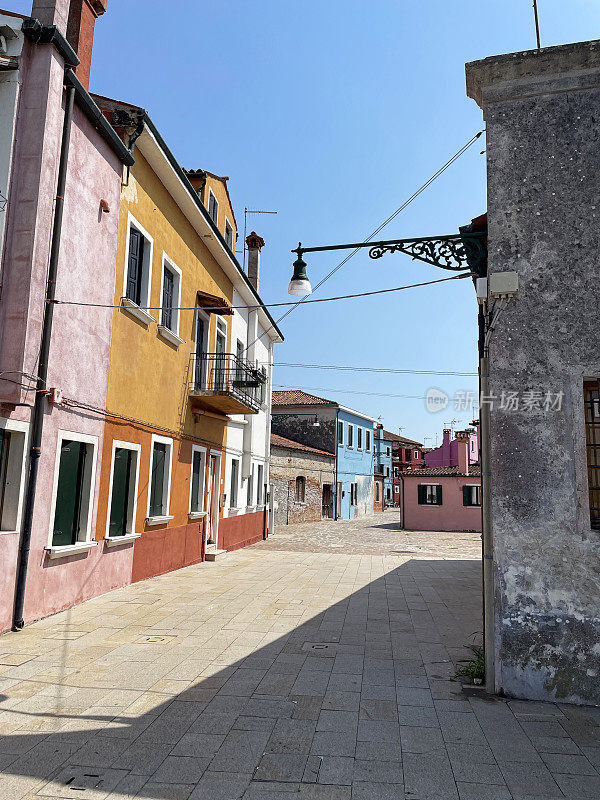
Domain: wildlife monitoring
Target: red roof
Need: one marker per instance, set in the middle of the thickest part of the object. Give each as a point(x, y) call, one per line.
point(393, 437)
point(474, 472)
point(296, 397)
point(281, 441)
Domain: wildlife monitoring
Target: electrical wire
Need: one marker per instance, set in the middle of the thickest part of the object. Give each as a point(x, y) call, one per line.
point(354, 391)
point(389, 370)
point(393, 216)
point(268, 305)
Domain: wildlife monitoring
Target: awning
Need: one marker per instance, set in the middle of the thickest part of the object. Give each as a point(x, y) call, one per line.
point(210, 302)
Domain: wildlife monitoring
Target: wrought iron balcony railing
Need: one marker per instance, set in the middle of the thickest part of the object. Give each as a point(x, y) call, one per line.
point(225, 383)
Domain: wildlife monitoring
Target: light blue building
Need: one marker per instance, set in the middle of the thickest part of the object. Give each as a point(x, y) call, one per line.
point(345, 433)
point(383, 462)
point(354, 463)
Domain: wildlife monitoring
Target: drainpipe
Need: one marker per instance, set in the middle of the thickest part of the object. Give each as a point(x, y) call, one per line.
point(402, 515)
point(336, 514)
point(487, 538)
point(37, 423)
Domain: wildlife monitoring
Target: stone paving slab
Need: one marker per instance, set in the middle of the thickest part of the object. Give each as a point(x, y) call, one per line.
point(312, 668)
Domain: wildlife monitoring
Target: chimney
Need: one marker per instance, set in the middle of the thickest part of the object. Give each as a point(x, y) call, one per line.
point(462, 443)
point(52, 12)
point(80, 33)
point(255, 243)
point(446, 433)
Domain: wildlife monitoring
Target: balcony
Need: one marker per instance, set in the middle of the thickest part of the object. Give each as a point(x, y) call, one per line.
point(225, 384)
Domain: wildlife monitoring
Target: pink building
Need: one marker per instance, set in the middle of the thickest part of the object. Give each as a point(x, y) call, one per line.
point(446, 455)
point(443, 498)
point(54, 128)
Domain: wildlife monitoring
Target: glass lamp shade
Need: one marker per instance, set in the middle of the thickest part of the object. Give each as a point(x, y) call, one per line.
point(301, 287)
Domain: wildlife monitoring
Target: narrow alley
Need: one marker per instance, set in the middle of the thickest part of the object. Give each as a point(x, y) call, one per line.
point(282, 672)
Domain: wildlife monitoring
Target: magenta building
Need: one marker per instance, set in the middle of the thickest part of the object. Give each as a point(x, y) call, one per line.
point(446, 455)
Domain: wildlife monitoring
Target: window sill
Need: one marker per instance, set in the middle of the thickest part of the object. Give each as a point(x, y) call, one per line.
point(196, 515)
point(249, 509)
point(60, 551)
point(168, 334)
point(158, 520)
point(114, 541)
point(135, 311)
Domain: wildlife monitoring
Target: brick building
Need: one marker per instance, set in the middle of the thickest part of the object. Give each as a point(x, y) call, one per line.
point(302, 482)
point(407, 454)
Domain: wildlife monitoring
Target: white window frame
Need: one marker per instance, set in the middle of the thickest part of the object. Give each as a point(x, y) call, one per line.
point(260, 485)
point(416, 455)
point(238, 459)
point(388, 452)
point(343, 427)
point(14, 490)
point(162, 518)
point(128, 305)
point(359, 438)
point(130, 535)
point(196, 448)
point(232, 245)
point(170, 334)
point(84, 542)
point(350, 436)
point(367, 440)
point(214, 196)
point(474, 486)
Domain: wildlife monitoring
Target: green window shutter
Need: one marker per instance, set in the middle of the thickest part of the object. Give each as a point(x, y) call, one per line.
point(119, 505)
point(68, 493)
point(439, 495)
point(157, 480)
point(422, 495)
point(467, 496)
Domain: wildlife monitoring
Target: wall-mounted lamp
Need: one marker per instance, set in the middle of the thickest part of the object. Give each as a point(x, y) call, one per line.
point(104, 207)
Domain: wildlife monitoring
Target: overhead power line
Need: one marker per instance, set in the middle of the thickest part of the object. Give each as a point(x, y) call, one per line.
point(393, 216)
point(266, 305)
point(354, 391)
point(389, 370)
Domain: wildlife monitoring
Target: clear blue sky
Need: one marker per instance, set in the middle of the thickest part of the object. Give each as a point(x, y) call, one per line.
point(332, 113)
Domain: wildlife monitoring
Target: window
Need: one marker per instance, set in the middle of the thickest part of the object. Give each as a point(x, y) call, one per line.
point(138, 270)
point(300, 495)
point(74, 488)
point(396, 490)
point(220, 368)
point(13, 435)
point(353, 494)
point(197, 480)
point(160, 479)
point(228, 235)
point(471, 495)
point(340, 433)
point(591, 395)
point(388, 494)
point(250, 487)
point(259, 484)
point(387, 472)
point(350, 435)
point(416, 455)
point(170, 300)
point(123, 489)
point(387, 451)
point(430, 494)
point(359, 438)
point(376, 491)
point(213, 207)
point(235, 482)
point(368, 441)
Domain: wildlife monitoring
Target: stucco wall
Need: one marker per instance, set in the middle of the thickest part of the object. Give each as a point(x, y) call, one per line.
point(542, 157)
point(452, 515)
point(286, 466)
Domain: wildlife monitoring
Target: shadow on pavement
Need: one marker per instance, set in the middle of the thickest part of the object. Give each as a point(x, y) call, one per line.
point(309, 714)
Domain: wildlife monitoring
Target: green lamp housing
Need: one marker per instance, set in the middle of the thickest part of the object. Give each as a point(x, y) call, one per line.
point(299, 285)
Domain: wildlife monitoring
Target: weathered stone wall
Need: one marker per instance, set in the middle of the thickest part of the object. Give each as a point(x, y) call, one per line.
point(302, 428)
point(543, 150)
point(286, 466)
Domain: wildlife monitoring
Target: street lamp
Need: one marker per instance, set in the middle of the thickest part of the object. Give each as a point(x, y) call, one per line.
point(299, 285)
point(460, 252)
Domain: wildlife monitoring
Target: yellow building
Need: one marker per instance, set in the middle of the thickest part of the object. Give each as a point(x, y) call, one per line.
point(182, 378)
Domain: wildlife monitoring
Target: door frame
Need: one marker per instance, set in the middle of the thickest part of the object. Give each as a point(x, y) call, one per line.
point(216, 479)
point(137, 449)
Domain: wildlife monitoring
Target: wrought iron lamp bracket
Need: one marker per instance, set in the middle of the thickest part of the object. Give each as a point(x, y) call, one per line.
point(459, 252)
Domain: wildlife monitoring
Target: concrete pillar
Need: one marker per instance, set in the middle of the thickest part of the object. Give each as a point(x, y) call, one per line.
point(52, 12)
point(541, 111)
point(255, 243)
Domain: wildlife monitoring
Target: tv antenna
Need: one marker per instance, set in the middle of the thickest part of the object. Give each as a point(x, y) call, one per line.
point(246, 212)
point(537, 24)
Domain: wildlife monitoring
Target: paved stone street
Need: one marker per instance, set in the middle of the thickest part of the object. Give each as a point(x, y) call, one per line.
point(316, 672)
